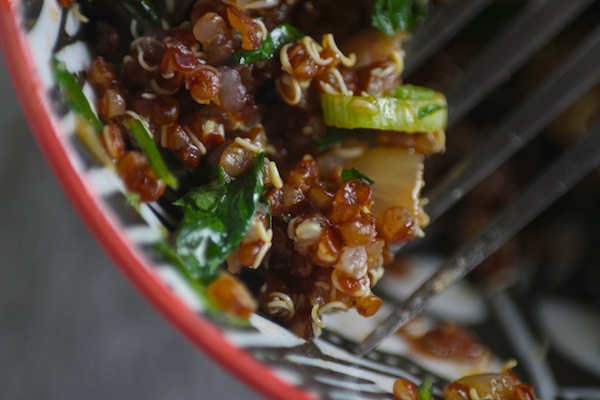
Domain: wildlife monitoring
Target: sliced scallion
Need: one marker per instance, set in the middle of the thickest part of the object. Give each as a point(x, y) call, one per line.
point(425, 390)
point(411, 109)
point(148, 147)
point(87, 124)
point(71, 91)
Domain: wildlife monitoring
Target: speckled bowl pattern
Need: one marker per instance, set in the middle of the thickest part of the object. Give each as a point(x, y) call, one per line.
point(551, 338)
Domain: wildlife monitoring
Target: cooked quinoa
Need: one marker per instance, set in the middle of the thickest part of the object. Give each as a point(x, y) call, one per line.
point(244, 93)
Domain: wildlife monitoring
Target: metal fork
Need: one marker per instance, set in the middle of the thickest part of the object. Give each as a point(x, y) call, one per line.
point(579, 73)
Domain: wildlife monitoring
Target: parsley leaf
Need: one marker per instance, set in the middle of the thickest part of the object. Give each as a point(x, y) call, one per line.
point(353, 173)
point(392, 16)
point(167, 251)
point(143, 12)
point(216, 217)
point(331, 137)
point(278, 37)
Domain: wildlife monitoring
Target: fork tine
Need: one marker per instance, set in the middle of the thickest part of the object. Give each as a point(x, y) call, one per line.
point(573, 165)
point(440, 28)
point(568, 83)
point(538, 22)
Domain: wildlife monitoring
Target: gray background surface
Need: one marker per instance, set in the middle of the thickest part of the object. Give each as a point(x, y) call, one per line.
point(71, 325)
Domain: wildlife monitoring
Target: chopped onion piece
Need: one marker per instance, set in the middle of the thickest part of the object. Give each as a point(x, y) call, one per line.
point(398, 176)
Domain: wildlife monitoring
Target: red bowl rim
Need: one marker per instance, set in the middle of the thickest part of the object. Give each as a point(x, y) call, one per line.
point(104, 226)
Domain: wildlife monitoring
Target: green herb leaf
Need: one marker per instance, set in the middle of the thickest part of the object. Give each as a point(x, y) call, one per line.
point(216, 217)
point(278, 37)
point(71, 91)
point(144, 12)
point(331, 137)
point(392, 16)
point(425, 390)
point(204, 198)
point(143, 138)
point(353, 173)
point(170, 254)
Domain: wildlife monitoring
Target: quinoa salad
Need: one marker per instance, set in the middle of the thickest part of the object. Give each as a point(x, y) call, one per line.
point(278, 135)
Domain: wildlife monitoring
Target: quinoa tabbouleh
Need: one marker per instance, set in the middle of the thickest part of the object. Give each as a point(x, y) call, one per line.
point(280, 135)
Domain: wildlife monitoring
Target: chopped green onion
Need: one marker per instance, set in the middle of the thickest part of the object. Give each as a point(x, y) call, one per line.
point(88, 135)
point(425, 390)
point(71, 91)
point(412, 109)
point(134, 200)
point(148, 147)
point(88, 126)
point(353, 173)
point(413, 92)
point(278, 37)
